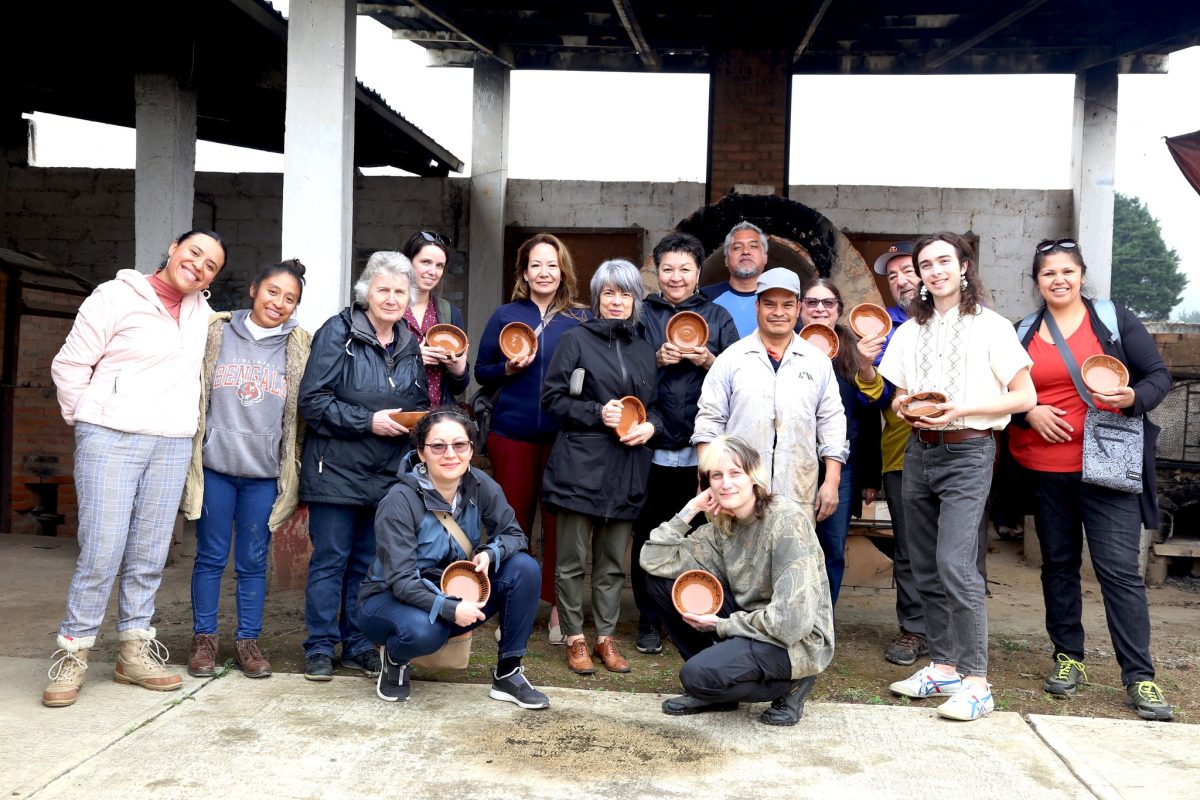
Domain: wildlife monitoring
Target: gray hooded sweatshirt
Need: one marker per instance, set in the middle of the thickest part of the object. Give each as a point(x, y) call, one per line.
point(244, 425)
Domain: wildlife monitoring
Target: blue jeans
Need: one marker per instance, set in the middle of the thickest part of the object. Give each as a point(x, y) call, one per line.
point(408, 633)
point(832, 531)
point(343, 540)
point(246, 501)
point(1065, 510)
point(945, 490)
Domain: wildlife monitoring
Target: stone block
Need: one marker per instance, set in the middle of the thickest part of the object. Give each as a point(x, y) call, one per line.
point(889, 222)
point(622, 192)
point(934, 221)
point(998, 225)
point(112, 180)
point(646, 216)
point(968, 200)
point(862, 197)
point(1022, 200)
point(820, 198)
point(22, 179)
point(913, 198)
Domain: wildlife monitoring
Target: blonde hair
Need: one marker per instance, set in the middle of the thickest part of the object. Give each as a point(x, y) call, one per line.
point(741, 453)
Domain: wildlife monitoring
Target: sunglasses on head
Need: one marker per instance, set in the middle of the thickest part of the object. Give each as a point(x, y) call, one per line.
point(1046, 245)
point(436, 238)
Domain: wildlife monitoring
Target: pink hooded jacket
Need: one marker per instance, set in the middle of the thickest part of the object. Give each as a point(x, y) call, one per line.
point(128, 366)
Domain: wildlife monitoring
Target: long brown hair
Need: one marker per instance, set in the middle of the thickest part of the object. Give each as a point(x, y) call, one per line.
point(844, 363)
point(972, 297)
point(564, 298)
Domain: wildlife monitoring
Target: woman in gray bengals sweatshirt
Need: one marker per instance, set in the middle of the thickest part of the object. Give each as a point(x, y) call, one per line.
point(244, 465)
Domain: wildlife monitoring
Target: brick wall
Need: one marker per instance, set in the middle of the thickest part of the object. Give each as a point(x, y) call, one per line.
point(749, 119)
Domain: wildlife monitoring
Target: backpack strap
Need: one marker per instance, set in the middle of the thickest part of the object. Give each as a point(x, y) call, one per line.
point(443, 309)
point(1107, 311)
point(1024, 325)
point(455, 532)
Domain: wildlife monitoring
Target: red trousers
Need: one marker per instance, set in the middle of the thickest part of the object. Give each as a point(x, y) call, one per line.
point(518, 468)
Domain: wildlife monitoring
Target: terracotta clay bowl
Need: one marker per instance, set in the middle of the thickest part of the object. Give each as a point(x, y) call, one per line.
point(697, 592)
point(687, 329)
point(461, 580)
point(517, 340)
point(632, 413)
point(407, 418)
point(922, 404)
point(868, 319)
point(447, 337)
point(821, 337)
point(1102, 374)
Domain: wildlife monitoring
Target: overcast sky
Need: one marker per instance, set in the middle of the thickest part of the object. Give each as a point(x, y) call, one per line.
point(845, 130)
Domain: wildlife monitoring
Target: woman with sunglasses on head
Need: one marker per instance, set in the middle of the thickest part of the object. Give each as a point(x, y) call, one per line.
point(245, 459)
point(440, 512)
point(446, 373)
point(822, 304)
point(128, 379)
point(1048, 443)
point(543, 297)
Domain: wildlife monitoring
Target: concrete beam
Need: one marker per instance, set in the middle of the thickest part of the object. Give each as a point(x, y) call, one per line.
point(1093, 169)
point(489, 188)
point(165, 175)
point(318, 153)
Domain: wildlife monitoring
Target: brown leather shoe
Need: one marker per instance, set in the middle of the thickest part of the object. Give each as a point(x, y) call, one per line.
point(606, 651)
point(578, 660)
point(202, 660)
point(253, 663)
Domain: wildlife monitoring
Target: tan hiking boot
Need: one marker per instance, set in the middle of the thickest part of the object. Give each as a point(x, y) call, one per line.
point(142, 661)
point(68, 671)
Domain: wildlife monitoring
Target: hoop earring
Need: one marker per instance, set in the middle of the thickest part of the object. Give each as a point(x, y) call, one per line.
point(206, 294)
point(963, 283)
point(924, 292)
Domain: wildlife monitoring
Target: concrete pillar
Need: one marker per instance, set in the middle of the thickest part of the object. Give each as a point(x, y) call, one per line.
point(1093, 168)
point(318, 153)
point(489, 185)
point(165, 177)
point(749, 122)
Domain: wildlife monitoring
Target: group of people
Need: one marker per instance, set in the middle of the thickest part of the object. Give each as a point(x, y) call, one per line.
point(237, 417)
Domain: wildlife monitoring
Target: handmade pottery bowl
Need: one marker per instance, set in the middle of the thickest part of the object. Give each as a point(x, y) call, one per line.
point(822, 337)
point(461, 580)
point(687, 329)
point(697, 592)
point(1102, 374)
point(447, 337)
point(868, 319)
point(632, 413)
point(922, 404)
point(407, 418)
point(517, 340)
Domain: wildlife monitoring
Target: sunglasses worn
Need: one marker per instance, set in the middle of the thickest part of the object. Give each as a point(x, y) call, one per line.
point(1049, 244)
point(436, 238)
point(439, 448)
point(829, 303)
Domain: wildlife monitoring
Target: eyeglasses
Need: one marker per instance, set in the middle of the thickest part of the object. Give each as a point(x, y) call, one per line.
point(436, 238)
point(439, 448)
point(828, 303)
point(1046, 245)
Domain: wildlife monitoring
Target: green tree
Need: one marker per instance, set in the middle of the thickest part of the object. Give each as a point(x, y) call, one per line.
point(1145, 272)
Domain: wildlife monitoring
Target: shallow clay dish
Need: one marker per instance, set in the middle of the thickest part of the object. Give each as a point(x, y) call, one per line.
point(517, 340)
point(687, 329)
point(461, 580)
point(447, 337)
point(821, 337)
point(407, 418)
point(632, 413)
point(697, 592)
point(1102, 374)
point(922, 404)
point(868, 319)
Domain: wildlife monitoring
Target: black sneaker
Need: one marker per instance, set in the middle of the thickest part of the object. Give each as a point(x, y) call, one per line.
point(686, 705)
point(392, 685)
point(788, 710)
point(514, 688)
point(366, 661)
point(649, 641)
point(907, 649)
point(1068, 675)
point(318, 667)
point(1147, 699)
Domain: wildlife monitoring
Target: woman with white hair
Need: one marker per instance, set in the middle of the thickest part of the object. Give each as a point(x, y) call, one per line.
point(364, 365)
point(596, 476)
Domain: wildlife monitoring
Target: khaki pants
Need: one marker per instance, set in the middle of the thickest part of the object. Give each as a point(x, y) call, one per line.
point(609, 540)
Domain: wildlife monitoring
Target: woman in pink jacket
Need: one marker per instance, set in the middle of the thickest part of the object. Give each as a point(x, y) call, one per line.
point(128, 380)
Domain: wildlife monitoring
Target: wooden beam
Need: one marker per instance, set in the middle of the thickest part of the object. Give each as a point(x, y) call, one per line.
point(629, 20)
point(937, 59)
point(812, 28)
point(441, 16)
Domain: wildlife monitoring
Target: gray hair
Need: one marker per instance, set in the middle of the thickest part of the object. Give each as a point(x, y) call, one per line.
point(744, 226)
point(385, 262)
point(623, 276)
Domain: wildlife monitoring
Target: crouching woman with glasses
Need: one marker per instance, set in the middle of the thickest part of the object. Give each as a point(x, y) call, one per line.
point(439, 502)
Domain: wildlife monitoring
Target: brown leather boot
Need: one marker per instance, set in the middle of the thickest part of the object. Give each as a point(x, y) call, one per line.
point(578, 660)
point(202, 660)
point(606, 651)
point(68, 671)
point(253, 663)
point(142, 661)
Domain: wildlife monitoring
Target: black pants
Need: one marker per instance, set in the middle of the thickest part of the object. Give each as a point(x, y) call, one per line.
point(670, 489)
point(722, 670)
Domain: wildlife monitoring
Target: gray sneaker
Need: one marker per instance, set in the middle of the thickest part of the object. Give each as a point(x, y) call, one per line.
point(1147, 699)
point(515, 688)
point(1068, 675)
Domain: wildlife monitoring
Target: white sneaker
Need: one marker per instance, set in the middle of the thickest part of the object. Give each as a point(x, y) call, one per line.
point(968, 703)
point(927, 682)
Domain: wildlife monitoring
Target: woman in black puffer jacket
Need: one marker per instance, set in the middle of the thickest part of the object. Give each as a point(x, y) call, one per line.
point(595, 479)
point(364, 364)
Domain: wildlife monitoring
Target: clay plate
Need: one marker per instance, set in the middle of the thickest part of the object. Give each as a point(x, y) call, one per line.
point(407, 418)
point(687, 329)
point(517, 340)
point(447, 337)
point(821, 337)
point(697, 592)
point(868, 319)
point(1102, 374)
point(632, 413)
point(461, 580)
point(922, 404)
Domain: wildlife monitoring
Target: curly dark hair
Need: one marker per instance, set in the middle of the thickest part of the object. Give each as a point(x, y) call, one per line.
point(972, 296)
point(446, 413)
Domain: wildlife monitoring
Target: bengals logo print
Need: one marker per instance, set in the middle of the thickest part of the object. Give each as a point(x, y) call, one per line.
point(249, 393)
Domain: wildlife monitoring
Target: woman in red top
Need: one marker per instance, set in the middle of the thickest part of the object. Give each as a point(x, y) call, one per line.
point(1048, 443)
